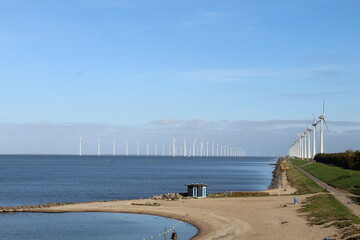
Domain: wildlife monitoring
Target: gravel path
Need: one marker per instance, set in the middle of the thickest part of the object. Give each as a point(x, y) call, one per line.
point(338, 194)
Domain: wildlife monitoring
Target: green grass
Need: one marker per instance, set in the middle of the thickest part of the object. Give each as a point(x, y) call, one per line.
point(324, 209)
point(335, 176)
point(303, 184)
point(299, 162)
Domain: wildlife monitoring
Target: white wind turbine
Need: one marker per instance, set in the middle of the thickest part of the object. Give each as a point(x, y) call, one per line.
point(314, 136)
point(98, 147)
point(185, 144)
point(174, 147)
point(127, 148)
point(138, 149)
point(194, 147)
point(322, 121)
point(80, 150)
point(114, 147)
point(308, 131)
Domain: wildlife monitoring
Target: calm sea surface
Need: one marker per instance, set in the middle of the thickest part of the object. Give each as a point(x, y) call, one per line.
point(27, 180)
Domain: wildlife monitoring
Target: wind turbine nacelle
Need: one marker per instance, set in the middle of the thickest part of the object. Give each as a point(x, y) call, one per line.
point(322, 117)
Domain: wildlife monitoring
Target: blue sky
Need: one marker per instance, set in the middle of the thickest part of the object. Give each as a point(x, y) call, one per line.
point(195, 68)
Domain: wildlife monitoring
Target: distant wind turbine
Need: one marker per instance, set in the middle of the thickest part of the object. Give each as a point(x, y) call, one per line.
point(98, 146)
point(127, 148)
point(80, 150)
point(194, 147)
point(322, 122)
point(138, 149)
point(174, 147)
point(114, 147)
point(185, 144)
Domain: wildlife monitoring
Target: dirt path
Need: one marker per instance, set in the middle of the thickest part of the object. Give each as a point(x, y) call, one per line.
point(338, 194)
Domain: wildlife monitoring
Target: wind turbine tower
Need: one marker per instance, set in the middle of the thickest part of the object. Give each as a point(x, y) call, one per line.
point(322, 122)
point(127, 148)
point(308, 131)
point(114, 147)
point(138, 149)
point(80, 150)
point(98, 153)
point(174, 147)
point(314, 137)
point(194, 147)
point(207, 149)
point(185, 144)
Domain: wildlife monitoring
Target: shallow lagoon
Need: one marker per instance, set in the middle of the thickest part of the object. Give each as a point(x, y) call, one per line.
point(89, 226)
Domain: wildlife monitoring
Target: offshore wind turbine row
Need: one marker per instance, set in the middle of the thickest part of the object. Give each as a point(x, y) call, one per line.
point(197, 149)
point(301, 147)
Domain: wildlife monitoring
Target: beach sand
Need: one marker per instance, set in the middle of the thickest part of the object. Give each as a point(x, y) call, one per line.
point(221, 218)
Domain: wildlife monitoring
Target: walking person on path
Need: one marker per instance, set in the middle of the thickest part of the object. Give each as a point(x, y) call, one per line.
point(174, 235)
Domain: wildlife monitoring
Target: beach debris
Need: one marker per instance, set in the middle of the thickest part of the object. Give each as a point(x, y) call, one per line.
point(169, 196)
point(155, 204)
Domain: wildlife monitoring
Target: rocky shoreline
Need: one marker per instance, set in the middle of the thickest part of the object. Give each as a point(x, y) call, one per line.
point(279, 179)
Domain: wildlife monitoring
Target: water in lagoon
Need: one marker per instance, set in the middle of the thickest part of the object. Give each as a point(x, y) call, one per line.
point(27, 180)
point(88, 226)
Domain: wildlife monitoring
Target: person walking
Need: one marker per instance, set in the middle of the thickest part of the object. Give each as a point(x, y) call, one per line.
point(174, 235)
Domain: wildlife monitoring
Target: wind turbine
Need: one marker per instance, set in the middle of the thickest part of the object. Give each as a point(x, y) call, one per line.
point(185, 143)
point(212, 149)
point(80, 150)
point(308, 131)
point(174, 147)
point(322, 121)
point(98, 146)
point(114, 147)
point(138, 148)
point(194, 150)
point(156, 148)
point(127, 148)
point(147, 149)
point(207, 149)
point(314, 136)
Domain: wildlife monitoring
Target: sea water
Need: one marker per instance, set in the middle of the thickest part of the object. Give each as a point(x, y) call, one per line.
point(28, 180)
point(90, 226)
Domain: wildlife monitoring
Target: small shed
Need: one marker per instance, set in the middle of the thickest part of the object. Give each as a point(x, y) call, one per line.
point(197, 189)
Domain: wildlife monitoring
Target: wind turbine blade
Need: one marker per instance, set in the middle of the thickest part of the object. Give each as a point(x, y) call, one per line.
point(323, 106)
point(326, 125)
point(314, 117)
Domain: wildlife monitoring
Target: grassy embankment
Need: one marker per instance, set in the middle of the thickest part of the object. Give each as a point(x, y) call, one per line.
point(335, 176)
point(322, 209)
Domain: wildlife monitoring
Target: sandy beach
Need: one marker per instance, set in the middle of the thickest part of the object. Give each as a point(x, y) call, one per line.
point(221, 218)
point(269, 217)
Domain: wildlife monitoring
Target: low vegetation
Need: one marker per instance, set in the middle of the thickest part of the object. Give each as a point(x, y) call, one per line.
point(237, 194)
point(349, 159)
point(155, 204)
point(324, 209)
point(303, 184)
point(336, 176)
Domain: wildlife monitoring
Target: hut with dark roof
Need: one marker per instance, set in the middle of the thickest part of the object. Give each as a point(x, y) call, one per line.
point(197, 190)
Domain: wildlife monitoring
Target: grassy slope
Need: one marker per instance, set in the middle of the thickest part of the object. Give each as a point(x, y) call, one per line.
point(323, 208)
point(335, 176)
point(302, 183)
